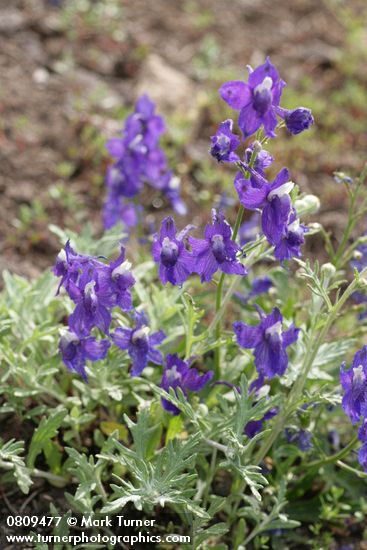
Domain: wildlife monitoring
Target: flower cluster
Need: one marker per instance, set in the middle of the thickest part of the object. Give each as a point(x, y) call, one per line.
point(95, 288)
point(354, 402)
point(139, 160)
point(258, 102)
point(217, 251)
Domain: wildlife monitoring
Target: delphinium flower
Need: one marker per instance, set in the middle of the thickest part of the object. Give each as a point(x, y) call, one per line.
point(92, 308)
point(273, 199)
point(139, 160)
point(259, 285)
point(75, 351)
point(302, 438)
point(255, 426)
point(225, 143)
point(362, 453)
point(140, 345)
point(296, 120)
point(178, 374)
point(175, 262)
point(258, 102)
point(293, 237)
point(341, 177)
point(269, 341)
point(354, 383)
point(115, 281)
point(117, 209)
point(359, 260)
point(69, 265)
point(216, 251)
point(262, 161)
point(95, 288)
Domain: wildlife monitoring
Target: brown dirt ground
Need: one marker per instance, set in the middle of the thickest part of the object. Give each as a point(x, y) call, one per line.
point(47, 68)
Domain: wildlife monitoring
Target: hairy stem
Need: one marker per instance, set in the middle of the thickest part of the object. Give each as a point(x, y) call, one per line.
point(310, 355)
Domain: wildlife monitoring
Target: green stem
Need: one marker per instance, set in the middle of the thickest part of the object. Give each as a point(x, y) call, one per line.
point(36, 473)
point(218, 298)
point(310, 355)
point(354, 210)
point(335, 457)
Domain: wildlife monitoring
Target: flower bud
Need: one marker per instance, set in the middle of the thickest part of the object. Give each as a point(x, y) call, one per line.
point(309, 204)
point(357, 255)
point(298, 120)
point(328, 270)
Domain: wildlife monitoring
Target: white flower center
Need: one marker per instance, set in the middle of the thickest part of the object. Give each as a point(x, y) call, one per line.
point(275, 329)
point(294, 226)
point(284, 189)
point(70, 337)
point(121, 269)
point(173, 374)
point(174, 183)
point(358, 375)
point(266, 84)
point(141, 334)
point(89, 288)
point(62, 256)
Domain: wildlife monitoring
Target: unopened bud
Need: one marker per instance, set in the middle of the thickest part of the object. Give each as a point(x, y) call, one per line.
point(363, 281)
point(357, 255)
point(309, 204)
point(203, 409)
point(328, 270)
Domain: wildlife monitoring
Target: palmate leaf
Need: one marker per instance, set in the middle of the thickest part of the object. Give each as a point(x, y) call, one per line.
point(158, 480)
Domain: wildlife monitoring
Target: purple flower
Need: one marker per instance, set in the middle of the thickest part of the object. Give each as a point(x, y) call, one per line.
point(171, 189)
point(175, 262)
point(115, 281)
point(139, 344)
point(75, 351)
point(272, 198)
point(216, 251)
point(69, 265)
point(116, 210)
point(259, 286)
point(296, 120)
point(224, 143)
point(359, 261)
point(269, 341)
point(92, 307)
point(139, 160)
point(302, 438)
point(292, 239)
point(257, 100)
point(178, 374)
point(362, 456)
point(262, 161)
point(354, 383)
point(340, 177)
point(255, 426)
